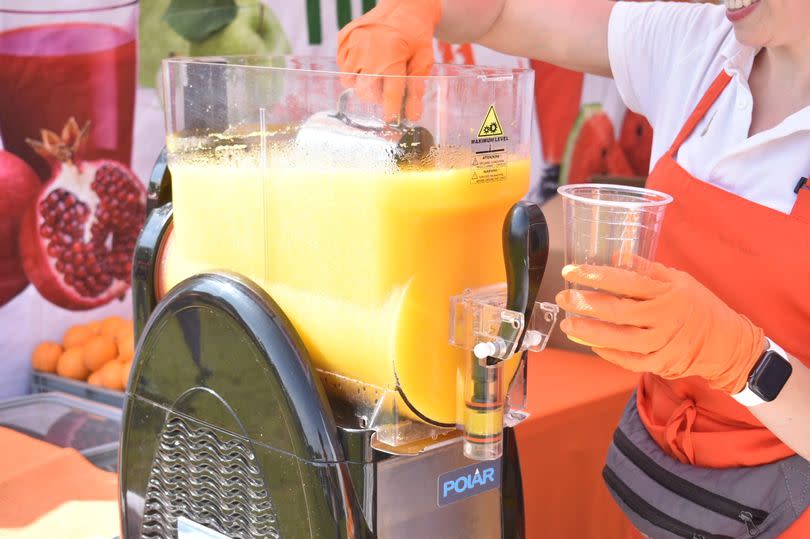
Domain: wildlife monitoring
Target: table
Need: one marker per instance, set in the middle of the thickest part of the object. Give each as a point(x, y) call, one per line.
point(36, 477)
point(575, 401)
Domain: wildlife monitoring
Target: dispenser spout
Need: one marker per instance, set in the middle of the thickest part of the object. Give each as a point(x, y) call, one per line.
point(525, 248)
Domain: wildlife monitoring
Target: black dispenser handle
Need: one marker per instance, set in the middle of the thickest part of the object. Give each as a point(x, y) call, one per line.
point(525, 252)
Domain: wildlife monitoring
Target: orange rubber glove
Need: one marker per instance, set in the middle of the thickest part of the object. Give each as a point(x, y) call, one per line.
point(662, 321)
point(394, 38)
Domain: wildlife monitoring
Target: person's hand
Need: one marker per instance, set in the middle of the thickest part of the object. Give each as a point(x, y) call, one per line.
point(661, 321)
point(394, 38)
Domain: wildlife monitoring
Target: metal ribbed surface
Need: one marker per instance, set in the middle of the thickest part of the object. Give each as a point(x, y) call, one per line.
point(210, 478)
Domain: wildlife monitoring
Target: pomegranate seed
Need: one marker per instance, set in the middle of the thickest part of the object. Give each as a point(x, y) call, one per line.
point(60, 266)
point(46, 231)
point(69, 279)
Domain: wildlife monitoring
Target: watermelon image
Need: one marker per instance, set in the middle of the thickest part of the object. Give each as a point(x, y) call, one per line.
point(592, 149)
point(635, 139)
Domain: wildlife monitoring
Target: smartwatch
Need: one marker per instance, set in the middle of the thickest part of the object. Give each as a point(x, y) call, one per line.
point(767, 378)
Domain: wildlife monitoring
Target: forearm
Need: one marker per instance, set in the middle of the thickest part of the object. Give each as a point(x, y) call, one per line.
point(788, 416)
point(568, 33)
point(467, 21)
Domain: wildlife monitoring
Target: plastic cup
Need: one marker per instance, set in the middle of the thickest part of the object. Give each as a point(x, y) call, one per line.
point(611, 225)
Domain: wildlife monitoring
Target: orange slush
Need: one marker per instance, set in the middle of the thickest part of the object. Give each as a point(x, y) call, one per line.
point(363, 264)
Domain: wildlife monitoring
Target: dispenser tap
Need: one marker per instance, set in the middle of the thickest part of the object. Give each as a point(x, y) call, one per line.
point(525, 250)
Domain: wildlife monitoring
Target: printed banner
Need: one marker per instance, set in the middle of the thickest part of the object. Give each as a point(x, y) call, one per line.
point(82, 123)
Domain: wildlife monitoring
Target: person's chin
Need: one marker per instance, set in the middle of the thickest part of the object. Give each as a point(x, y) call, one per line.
point(749, 35)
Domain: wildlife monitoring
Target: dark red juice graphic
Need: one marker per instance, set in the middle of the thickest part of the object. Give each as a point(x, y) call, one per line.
point(52, 72)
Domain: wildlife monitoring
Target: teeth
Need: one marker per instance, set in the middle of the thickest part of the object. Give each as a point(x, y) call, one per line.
point(738, 4)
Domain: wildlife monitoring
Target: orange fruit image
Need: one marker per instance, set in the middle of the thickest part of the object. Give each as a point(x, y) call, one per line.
point(71, 364)
point(45, 356)
point(94, 379)
point(76, 336)
point(110, 326)
point(95, 327)
point(110, 375)
point(98, 351)
point(126, 344)
point(127, 367)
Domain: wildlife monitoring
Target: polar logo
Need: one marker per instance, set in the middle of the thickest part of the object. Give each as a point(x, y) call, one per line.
point(465, 482)
point(468, 481)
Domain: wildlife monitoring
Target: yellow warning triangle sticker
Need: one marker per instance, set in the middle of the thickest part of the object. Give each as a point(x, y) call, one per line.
point(491, 126)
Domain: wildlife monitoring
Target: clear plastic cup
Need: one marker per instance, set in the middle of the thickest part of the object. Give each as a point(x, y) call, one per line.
point(611, 225)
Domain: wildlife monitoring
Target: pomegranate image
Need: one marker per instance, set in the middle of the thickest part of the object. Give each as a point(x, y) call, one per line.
point(19, 185)
point(77, 237)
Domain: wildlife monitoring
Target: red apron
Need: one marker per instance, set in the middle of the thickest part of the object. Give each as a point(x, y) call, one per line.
point(757, 260)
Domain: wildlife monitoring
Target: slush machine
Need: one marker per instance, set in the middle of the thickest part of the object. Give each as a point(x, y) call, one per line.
point(334, 308)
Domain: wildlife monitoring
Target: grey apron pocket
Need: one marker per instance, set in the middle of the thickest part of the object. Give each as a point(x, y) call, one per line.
point(666, 499)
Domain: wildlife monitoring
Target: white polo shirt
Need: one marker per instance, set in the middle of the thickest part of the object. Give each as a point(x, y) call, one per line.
point(664, 56)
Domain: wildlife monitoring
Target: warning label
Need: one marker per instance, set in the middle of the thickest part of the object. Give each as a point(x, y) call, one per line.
point(491, 127)
point(489, 166)
point(489, 151)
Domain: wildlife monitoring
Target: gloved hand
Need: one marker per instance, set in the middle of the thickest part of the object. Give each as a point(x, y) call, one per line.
point(394, 38)
point(661, 321)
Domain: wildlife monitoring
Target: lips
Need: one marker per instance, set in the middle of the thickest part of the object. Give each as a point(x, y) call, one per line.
point(737, 10)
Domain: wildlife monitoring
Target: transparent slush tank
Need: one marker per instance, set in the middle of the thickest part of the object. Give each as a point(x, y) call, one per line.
point(360, 230)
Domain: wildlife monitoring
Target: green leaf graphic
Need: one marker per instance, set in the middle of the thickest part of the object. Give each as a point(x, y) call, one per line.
point(197, 20)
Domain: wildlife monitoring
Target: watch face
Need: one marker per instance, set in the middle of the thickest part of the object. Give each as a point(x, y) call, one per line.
point(770, 376)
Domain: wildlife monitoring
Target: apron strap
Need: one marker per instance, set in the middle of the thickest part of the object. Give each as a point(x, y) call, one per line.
point(801, 208)
point(702, 107)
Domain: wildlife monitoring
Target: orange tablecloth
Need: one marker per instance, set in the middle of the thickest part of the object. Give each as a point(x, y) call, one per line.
point(36, 477)
point(575, 402)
